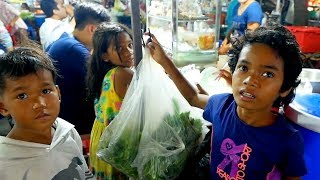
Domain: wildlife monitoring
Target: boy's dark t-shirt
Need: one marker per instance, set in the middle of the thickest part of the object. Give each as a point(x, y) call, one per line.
point(70, 57)
point(240, 151)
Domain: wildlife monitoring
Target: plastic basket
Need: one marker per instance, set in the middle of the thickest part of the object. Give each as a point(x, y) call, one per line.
point(307, 38)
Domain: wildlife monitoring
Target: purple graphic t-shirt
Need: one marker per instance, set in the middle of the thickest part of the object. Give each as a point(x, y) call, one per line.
point(240, 151)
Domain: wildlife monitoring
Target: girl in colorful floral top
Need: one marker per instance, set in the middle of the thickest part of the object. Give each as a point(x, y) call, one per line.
point(108, 76)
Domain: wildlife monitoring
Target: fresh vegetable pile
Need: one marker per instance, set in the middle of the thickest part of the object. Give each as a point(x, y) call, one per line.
point(122, 151)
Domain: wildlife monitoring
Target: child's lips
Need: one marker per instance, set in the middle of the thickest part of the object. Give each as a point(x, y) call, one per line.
point(42, 115)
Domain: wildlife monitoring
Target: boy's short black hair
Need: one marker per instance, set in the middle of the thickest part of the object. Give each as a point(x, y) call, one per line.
point(89, 13)
point(47, 6)
point(22, 62)
point(282, 41)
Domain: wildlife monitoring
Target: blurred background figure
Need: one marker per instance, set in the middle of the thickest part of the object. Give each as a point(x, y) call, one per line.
point(230, 10)
point(246, 15)
point(5, 39)
point(13, 23)
point(71, 53)
point(24, 7)
point(55, 24)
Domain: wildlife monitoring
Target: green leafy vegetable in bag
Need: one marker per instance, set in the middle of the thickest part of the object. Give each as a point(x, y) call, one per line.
point(169, 167)
point(121, 151)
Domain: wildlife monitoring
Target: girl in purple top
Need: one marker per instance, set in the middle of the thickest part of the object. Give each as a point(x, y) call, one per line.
point(249, 139)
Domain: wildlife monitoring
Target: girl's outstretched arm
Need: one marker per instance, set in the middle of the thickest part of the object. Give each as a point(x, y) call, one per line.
point(187, 90)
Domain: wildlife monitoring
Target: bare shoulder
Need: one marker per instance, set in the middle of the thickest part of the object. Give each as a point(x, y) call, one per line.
point(122, 79)
point(124, 75)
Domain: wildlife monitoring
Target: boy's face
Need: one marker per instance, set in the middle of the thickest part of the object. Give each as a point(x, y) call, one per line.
point(32, 101)
point(61, 10)
point(258, 77)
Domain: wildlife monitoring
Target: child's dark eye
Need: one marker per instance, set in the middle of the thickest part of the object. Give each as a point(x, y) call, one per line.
point(268, 74)
point(22, 96)
point(46, 91)
point(243, 68)
point(130, 45)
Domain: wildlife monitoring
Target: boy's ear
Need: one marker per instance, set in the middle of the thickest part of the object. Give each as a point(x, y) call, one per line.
point(285, 93)
point(59, 94)
point(55, 11)
point(3, 110)
point(91, 28)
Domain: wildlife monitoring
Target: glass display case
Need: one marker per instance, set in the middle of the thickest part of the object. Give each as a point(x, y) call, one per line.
point(186, 28)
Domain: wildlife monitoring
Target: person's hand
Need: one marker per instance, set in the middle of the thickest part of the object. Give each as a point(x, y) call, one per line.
point(70, 10)
point(226, 75)
point(156, 50)
point(224, 48)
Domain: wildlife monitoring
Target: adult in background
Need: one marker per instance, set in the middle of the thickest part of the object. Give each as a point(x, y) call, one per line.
point(247, 15)
point(55, 24)
point(13, 23)
point(5, 40)
point(71, 53)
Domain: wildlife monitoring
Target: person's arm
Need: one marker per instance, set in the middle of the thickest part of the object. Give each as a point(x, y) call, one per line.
point(5, 38)
point(14, 12)
point(226, 43)
point(187, 90)
point(70, 12)
point(252, 26)
point(254, 16)
point(224, 48)
point(14, 20)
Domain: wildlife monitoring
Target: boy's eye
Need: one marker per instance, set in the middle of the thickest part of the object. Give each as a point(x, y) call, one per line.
point(130, 45)
point(22, 96)
point(242, 68)
point(46, 91)
point(268, 74)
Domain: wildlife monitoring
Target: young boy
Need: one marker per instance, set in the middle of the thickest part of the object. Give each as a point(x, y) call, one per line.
point(40, 145)
point(250, 140)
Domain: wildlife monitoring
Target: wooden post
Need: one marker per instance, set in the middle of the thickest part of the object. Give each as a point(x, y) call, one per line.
point(136, 30)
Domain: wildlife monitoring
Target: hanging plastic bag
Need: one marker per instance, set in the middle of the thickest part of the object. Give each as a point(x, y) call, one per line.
point(154, 134)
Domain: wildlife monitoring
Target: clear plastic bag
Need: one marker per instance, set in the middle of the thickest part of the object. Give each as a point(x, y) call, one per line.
point(154, 134)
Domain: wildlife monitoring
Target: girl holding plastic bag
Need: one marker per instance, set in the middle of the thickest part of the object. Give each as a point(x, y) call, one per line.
point(251, 140)
point(108, 77)
point(156, 132)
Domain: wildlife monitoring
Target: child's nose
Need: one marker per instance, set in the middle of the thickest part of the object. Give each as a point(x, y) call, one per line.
point(251, 80)
point(39, 103)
